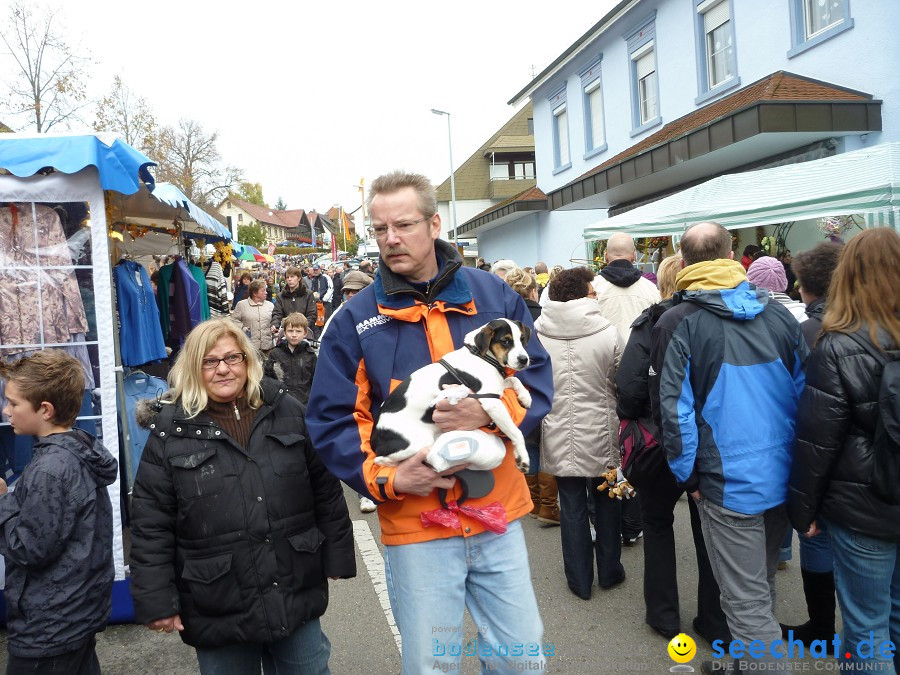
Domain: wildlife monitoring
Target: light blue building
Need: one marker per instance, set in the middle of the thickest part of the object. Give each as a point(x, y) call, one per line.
point(661, 95)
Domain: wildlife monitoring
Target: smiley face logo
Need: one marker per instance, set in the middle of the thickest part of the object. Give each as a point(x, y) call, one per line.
point(682, 648)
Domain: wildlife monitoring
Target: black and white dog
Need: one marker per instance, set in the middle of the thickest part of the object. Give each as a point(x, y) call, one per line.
point(405, 425)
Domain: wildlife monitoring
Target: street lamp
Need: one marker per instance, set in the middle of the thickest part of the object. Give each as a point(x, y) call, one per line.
point(452, 180)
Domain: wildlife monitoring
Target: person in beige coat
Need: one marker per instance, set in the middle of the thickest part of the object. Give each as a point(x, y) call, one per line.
point(254, 313)
point(580, 433)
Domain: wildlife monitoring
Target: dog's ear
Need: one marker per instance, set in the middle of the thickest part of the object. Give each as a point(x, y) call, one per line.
point(483, 338)
point(526, 332)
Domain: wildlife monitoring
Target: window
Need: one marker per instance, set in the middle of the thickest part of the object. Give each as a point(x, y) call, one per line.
point(240, 217)
point(716, 53)
point(645, 73)
point(228, 205)
point(531, 126)
point(524, 170)
point(815, 21)
point(499, 171)
point(643, 76)
point(561, 135)
point(593, 108)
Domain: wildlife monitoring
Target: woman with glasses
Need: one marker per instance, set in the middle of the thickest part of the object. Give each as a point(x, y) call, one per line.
point(236, 523)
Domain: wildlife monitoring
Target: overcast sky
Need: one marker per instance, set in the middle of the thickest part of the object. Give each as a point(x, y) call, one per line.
point(310, 97)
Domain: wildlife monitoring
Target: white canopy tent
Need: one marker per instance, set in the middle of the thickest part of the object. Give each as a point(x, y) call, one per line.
point(864, 182)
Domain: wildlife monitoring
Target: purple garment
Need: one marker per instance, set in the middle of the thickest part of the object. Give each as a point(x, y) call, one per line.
point(192, 292)
point(652, 277)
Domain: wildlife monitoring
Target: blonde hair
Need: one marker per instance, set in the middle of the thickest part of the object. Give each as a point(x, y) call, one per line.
point(554, 272)
point(186, 376)
point(521, 282)
point(397, 180)
point(665, 275)
point(863, 290)
point(295, 319)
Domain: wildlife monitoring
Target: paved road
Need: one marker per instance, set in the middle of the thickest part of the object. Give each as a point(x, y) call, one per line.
point(603, 635)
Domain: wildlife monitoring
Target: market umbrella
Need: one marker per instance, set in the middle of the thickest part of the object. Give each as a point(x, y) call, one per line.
point(246, 255)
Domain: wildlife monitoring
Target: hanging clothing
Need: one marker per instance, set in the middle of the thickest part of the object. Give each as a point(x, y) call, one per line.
point(177, 293)
point(140, 333)
point(138, 386)
point(37, 305)
point(200, 277)
point(216, 290)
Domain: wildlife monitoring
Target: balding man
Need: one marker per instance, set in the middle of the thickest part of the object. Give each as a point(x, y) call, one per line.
point(621, 290)
point(726, 371)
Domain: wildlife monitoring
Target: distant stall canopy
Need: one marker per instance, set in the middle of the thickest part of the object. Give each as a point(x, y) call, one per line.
point(864, 181)
point(155, 209)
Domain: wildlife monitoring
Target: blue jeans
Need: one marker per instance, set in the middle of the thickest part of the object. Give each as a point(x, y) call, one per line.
point(577, 549)
point(305, 651)
point(430, 585)
point(867, 581)
point(815, 552)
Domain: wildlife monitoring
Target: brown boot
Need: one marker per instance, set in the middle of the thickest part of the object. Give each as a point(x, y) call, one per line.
point(532, 481)
point(549, 512)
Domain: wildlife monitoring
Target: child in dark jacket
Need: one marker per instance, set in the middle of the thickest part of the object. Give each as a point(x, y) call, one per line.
point(56, 526)
point(293, 361)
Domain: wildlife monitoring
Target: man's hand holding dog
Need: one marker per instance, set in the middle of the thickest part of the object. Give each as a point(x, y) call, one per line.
point(467, 415)
point(415, 477)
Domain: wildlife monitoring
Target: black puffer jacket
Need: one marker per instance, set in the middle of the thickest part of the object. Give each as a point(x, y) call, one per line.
point(238, 542)
point(56, 536)
point(300, 300)
point(633, 401)
point(832, 467)
point(294, 369)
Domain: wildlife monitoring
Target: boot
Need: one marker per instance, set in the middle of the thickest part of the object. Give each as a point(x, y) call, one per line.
point(532, 481)
point(549, 511)
point(818, 587)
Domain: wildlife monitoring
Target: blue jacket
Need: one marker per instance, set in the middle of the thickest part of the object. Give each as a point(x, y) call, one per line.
point(727, 370)
point(373, 343)
point(141, 338)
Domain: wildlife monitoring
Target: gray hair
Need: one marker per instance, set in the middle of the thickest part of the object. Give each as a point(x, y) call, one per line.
point(397, 180)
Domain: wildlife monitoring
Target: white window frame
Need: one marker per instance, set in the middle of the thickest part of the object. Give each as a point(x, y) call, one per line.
point(801, 36)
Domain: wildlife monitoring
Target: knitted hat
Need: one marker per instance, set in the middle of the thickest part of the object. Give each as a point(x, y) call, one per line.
point(768, 273)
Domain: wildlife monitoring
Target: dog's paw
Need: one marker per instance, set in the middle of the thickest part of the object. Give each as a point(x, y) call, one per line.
point(523, 464)
point(384, 461)
point(525, 399)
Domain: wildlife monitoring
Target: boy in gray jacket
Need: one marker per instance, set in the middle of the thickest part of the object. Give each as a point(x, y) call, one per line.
point(56, 526)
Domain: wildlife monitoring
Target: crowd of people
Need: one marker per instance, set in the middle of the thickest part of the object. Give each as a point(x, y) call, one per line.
point(723, 379)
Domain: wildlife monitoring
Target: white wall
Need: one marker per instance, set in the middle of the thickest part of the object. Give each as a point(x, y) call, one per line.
point(864, 58)
point(553, 237)
point(465, 211)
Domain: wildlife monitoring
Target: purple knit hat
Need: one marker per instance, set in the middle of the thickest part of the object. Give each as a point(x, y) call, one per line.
point(768, 273)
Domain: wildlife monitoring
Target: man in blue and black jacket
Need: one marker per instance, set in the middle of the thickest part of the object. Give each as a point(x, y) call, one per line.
point(725, 377)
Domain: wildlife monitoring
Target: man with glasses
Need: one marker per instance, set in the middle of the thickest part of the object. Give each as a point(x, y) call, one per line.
point(421, 305)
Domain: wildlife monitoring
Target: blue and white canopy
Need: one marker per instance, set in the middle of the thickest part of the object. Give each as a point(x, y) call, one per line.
point(121, 167)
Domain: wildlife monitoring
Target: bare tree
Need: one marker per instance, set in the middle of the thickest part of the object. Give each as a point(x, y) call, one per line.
point(47, 86)
point(124, 113)
point(188, 158)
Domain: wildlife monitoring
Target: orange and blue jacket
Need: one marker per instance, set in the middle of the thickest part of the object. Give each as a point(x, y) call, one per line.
point(375, 342)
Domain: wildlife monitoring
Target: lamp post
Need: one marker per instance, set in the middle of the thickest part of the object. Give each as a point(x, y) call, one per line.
point(452, 180)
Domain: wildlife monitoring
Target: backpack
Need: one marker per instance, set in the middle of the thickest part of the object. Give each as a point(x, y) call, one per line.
point(637, 445)
point(886, 442)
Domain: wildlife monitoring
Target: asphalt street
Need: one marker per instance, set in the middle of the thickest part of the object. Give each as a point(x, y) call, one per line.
point(606, 634)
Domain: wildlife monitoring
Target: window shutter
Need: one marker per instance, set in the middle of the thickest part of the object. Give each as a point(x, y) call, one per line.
point(715, 16)
point(645, 65)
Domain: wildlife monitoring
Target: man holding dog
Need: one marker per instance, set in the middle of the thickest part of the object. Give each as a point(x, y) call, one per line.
point(721, 354)
point(421, 305)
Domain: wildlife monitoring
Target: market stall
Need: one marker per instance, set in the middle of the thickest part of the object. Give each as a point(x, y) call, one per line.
point(78, 214)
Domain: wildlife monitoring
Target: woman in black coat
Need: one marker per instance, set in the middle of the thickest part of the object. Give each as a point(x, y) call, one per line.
point(237, 525)
point(831, 475)
point(659, 492)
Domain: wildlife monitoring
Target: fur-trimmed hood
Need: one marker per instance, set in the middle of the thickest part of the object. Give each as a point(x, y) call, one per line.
point(147, 409)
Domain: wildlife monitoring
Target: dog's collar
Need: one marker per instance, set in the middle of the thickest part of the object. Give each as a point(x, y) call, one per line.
point(454, 373)
point(499, 367)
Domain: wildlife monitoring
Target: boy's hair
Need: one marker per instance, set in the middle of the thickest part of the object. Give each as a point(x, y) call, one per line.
point(52, 376)
point(295, 319)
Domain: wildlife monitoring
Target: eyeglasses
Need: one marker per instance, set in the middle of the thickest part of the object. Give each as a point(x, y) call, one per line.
point(592, 293)
point(399, 229)
point(230, 360)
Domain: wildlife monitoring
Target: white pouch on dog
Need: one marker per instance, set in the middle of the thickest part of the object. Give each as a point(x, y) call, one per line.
point(479, 449)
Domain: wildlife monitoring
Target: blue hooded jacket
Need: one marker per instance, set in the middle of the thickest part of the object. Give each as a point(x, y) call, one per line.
point(725, 379)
